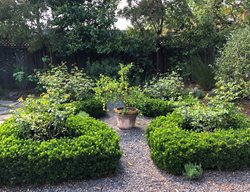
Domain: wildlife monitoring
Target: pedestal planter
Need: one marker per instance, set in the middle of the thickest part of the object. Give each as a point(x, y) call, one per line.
point(126, 119)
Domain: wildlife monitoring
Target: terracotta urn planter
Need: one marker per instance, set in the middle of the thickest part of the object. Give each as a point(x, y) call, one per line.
point(126, 118)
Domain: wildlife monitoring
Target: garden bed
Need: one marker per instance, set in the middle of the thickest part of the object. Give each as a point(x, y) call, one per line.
point(92, 150)
point(137, 172)
point(173, 144)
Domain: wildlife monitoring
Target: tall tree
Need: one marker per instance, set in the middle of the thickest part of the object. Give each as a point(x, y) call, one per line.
point(24, 21)
point(159, 16)
point(82, 25)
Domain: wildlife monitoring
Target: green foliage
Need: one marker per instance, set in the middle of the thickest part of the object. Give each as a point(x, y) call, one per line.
point(92, 106)
point(67, 92)
point(84, 26)
point(197, 93)
point(233, 66)
point(93, 152)
point(83, 114)
point(165, 87)
point(107, 67)
point(172, 146)
point(42, 119)
point(21, 77)
point(109, 89)
point(24, 18)
point(192, 171)
point(201, 73)
point(65, 85)
point(152, 107)
point(215, 115)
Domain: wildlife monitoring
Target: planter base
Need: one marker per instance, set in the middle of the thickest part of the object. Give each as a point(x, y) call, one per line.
point(126, 121)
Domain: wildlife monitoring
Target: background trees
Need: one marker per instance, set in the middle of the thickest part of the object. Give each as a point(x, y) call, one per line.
point(165, 34)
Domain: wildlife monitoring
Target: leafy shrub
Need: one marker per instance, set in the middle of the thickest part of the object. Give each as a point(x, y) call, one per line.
point(201, 72)
point(172, 146)
point(202, 117)
point(152, 107)
point(197, 93)
point(165, 87)
point(41, 119)
point(233, 66)
point(92, 152)
point(110, 89)
point(193, 171)
point(64, 85)
point(92, 106)
point(107, 67)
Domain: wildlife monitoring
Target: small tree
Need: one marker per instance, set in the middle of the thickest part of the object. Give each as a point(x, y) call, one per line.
point(109, 89)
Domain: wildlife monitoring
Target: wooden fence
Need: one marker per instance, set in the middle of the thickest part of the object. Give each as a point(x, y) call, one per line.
point(15, 57)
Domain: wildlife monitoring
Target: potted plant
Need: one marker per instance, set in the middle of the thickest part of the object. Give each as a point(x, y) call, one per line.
point(111, 90)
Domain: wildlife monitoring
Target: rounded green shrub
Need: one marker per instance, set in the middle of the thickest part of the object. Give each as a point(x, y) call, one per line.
point(172, 146)
point(92, 106)
point(91, 150)
point(168, 86)
point(152, 107)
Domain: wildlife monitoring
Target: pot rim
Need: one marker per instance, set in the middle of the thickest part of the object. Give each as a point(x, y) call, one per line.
point(132, 110)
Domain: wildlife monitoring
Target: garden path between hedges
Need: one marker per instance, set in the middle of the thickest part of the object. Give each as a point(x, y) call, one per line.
point(137, 173)
point(6, 108)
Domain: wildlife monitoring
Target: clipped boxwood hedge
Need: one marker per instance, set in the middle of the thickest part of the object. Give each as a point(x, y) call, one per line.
point(92, 106)
point(92, 152)
point(172, 146)
point(152, 107)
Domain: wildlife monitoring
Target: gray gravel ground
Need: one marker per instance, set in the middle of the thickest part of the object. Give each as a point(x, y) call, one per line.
point(138, 173)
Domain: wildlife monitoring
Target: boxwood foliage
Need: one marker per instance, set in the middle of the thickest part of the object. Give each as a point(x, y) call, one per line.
point(172, 146)
point(92, 150)
point(92, 106)
point(153, 107)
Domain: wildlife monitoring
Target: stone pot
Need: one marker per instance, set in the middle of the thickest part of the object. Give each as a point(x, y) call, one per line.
point(127, 120)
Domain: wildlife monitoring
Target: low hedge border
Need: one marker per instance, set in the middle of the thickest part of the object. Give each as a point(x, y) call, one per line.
point(172, 147)
point(92, 153)
point(152, 107)
point(92, 106)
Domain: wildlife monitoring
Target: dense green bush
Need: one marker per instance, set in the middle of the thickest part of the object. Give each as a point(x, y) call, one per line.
point(91, 150)
point(92, 106)
point(203, 117)
point(107, 67)
point(64, 84)
point(172, 146)
point(166, 87)
point(42, 119)
point(200, 72)
point(152, 107)
point(233, 66)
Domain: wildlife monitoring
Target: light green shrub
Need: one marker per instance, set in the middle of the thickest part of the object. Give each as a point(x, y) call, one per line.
point(165, 87)
point(192, 171)
point(233, 66)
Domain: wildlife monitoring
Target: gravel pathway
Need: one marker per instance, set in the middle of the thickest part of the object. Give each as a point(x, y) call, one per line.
point(6, 108)
point(138, 173)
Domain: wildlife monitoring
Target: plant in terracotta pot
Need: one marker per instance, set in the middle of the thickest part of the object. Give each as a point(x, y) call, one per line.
point(112, 90)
